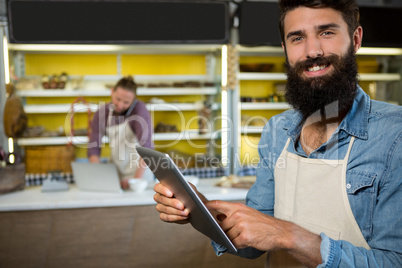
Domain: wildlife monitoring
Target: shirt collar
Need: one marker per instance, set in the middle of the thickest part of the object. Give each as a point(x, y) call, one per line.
point(355, 122)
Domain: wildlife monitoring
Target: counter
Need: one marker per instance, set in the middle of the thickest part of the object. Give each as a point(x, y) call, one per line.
point(83, 229)
point(32, 198)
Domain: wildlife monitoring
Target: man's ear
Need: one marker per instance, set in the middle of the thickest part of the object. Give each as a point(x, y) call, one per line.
point(357, 38)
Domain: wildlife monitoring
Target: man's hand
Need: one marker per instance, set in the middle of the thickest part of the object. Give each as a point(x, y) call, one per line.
point(247, 227)
point(170, 209)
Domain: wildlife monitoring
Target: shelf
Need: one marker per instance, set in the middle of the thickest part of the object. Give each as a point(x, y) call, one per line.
point(261, 50)
point(153, 78)
point(262, 76)
point(281, 76)
point(166, 107)
point(251, 130)
point(185, 135)
point(171, 91)
point(148, 78)
point(41, 93)
point(81, 108)
point(97, 86)
point(142, 91)
point(264, 106)
point(58, 108)
point(380, 77)
point(54, 141)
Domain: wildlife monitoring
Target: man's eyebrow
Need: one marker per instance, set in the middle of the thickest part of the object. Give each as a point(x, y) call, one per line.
point(327, 26)
point(289, 35)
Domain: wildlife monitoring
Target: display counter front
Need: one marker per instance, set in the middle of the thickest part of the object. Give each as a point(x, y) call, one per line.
point(86, 229)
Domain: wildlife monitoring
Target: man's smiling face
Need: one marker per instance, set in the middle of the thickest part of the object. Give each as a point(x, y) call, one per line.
point(320, 59)
point(312, 33)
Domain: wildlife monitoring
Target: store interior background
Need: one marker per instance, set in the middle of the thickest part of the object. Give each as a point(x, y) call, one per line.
point(127, 236)
point(238, 151)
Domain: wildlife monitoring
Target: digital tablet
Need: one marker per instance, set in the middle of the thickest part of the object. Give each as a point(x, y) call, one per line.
point(169, 175)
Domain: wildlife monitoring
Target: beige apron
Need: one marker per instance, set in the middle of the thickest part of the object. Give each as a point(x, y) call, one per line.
point(122, 143)
point(312, 194)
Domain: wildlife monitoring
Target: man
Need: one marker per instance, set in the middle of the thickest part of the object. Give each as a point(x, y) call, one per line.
point(127, 123)
point(329, 186)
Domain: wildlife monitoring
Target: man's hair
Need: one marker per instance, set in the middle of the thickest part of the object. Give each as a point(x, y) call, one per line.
point(348, 8)
point(127, 83)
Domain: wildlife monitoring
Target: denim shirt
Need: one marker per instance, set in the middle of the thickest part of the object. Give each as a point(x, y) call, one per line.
point(373, 179)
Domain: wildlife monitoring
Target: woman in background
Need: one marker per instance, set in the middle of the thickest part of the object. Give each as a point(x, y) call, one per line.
point(127, 123)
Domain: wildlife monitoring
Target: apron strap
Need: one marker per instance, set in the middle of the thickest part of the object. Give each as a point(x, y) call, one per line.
point(286, 146)
point(352, 140)
point(109, 116)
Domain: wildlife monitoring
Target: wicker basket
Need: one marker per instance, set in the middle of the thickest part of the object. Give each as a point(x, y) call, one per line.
point(42, 159)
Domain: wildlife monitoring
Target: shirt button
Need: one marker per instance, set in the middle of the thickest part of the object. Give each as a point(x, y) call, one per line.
point(348, 186)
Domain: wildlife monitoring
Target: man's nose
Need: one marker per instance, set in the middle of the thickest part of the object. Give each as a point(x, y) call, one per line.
point(314, 48)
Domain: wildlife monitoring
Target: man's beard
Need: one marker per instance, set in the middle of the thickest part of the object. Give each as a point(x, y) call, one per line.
point(311, 95)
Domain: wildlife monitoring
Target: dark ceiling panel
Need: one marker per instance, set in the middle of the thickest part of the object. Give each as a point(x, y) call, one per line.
point(89, 21)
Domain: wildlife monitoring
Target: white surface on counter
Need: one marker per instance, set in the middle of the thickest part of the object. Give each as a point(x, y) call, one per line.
point(32, 198)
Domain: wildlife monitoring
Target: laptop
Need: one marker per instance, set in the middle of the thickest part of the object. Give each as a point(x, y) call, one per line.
point(96, 177)
point(169, 175)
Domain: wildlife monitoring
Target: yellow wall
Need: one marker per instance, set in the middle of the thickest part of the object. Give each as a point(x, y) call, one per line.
point(163, 64)
point(72, 64)
point(249, 152)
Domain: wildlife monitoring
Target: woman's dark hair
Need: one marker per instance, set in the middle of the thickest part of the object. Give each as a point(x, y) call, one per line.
point(348, 8)
point(127, 83)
